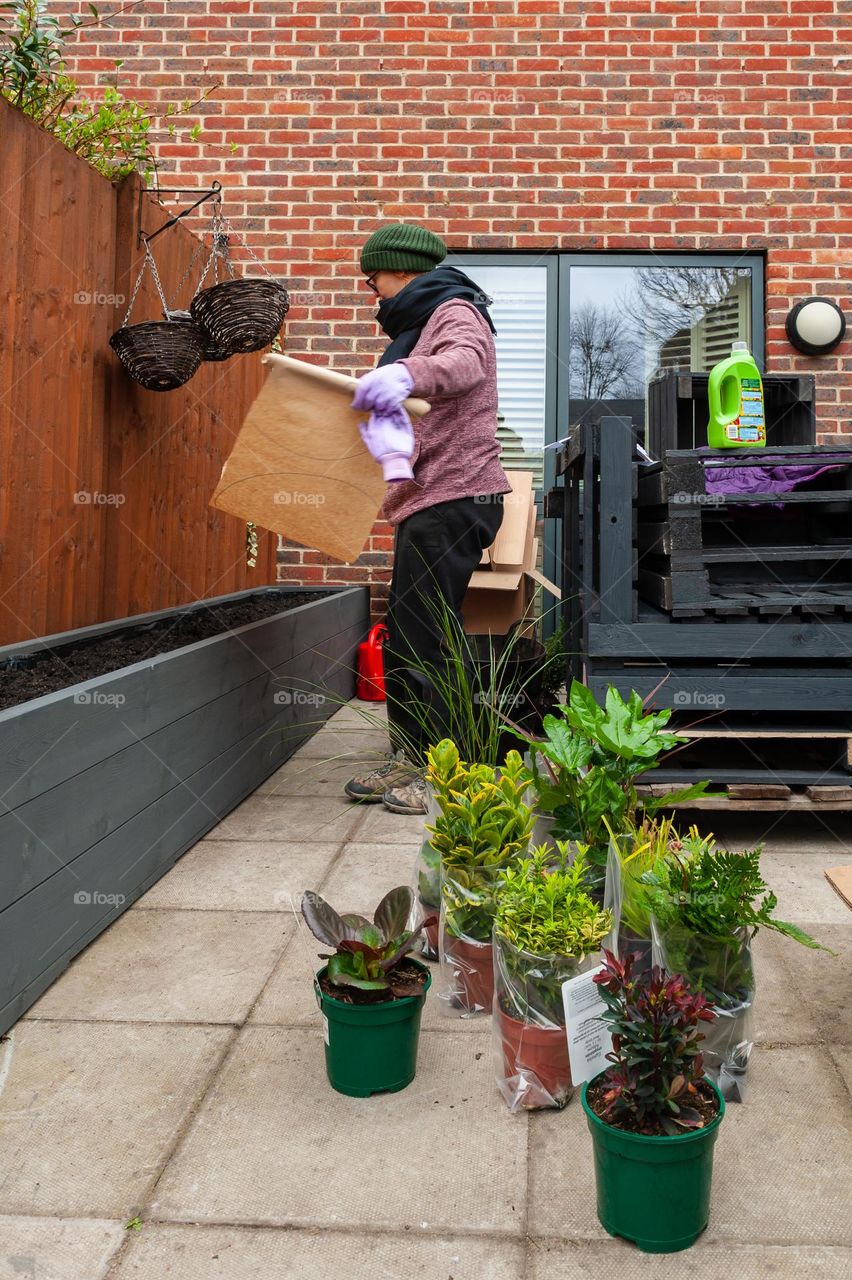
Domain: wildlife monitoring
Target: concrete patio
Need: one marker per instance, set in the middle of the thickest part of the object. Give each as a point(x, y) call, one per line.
point(175, 1074)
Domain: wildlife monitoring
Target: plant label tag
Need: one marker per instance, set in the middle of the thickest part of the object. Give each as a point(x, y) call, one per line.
point(589, 1037)
point(325, 1029)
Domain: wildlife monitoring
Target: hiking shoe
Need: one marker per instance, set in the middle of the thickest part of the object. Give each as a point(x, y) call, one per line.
point(370, 787)
point(411, 796)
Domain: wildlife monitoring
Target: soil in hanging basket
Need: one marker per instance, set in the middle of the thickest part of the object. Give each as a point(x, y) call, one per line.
point(160, 355)
point(242, 315)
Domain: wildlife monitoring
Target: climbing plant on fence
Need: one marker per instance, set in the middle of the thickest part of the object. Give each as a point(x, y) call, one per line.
point(111, 134)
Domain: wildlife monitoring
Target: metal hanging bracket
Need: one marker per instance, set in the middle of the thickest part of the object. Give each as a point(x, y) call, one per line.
point(214, 192)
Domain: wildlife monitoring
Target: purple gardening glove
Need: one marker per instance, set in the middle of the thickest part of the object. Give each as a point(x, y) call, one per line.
point(383, 390)
point(390, 439)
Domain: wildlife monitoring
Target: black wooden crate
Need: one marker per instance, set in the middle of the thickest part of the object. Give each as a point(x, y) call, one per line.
point(678, 410)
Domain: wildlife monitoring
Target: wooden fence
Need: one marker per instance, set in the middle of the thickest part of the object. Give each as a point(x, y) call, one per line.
point(104, 487)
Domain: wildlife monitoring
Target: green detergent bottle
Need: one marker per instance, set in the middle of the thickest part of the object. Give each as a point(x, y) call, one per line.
point(735, 400)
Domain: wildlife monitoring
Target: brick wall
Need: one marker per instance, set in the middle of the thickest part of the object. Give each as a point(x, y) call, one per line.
point(507, 124)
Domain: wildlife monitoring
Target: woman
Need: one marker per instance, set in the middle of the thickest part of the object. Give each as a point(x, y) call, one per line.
point(445, 483)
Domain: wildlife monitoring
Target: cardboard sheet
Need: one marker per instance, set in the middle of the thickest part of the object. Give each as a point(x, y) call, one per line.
point(840, 879)
point(299, 466)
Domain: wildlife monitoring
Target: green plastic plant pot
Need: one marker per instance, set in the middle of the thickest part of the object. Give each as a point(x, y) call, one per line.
point(653, 1191)
point(371, 1048)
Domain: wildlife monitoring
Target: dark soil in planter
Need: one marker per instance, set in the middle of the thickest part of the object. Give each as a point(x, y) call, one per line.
point(34, 675)
point(704, 1101)
point(405, 972)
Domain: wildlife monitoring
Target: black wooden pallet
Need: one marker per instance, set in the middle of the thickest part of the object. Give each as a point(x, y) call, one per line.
point(609, 631)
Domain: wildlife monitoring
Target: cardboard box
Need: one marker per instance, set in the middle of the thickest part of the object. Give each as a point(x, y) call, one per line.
point(501, 590)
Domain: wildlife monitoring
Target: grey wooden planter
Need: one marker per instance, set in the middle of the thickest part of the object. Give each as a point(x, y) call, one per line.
point(106, 783)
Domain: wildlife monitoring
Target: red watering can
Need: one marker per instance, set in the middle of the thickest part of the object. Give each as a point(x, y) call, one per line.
point(370, 685)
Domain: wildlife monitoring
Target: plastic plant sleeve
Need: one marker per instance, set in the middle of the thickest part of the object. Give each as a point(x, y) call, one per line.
point(426, 883)
point(529, 1039)
point(468, 906)
point(631, 929)
point(723, 969)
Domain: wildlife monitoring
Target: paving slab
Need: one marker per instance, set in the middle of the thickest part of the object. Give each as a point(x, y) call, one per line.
point(171, 966)
point(243, 1253)
point(292, 818)
point(366, 869)
point(90, 1112)
point(820, 982)
point(358, 746)
point(383, 827)
point(275, 1144)
point(358, 714)
point(241, 875)
point(802, 890)
point(842, 1059)
point(621, 1261)
point(308, 777)
point(777, 1016)
point(57, 1248)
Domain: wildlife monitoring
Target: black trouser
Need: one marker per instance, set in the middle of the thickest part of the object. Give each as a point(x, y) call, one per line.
point(435, 552)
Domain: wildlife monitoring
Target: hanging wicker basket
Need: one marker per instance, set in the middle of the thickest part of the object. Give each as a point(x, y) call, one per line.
point(243, 314)
point(159, 354)
point(212, 350)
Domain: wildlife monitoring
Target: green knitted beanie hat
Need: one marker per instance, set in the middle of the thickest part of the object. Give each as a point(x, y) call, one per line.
point(399, 246)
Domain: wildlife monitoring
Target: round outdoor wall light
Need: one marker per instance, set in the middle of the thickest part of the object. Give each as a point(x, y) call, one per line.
point(816, 326)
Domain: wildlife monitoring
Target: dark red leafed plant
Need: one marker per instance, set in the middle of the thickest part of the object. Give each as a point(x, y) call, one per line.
point(655, 1023)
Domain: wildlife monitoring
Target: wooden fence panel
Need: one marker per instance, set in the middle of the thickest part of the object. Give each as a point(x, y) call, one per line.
point(72, 422)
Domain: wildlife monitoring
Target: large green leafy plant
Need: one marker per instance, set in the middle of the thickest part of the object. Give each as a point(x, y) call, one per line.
point(550, 925)
point(586, 766)
point(367, 952)
point(655, 1023)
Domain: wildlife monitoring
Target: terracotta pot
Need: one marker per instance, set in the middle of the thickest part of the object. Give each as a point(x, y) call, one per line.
point(540, 1056)
point(473, 967)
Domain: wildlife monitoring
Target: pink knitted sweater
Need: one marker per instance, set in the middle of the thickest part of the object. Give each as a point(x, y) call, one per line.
point(456, 454)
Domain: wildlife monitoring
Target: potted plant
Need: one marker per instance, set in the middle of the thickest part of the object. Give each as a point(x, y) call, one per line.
point(481, 827)
point(652, 1115)
point(370, 993)
point(704, 906)
point(585, 768)
point(545, 928)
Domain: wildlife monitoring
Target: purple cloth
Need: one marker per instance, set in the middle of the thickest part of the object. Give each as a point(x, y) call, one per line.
point(390, 439)
point(770, 479)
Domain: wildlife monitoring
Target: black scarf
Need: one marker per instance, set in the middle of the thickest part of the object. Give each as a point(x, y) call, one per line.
point(404, 316)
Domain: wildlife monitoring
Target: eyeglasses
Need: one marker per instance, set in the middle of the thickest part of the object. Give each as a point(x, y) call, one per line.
point(369, 281)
